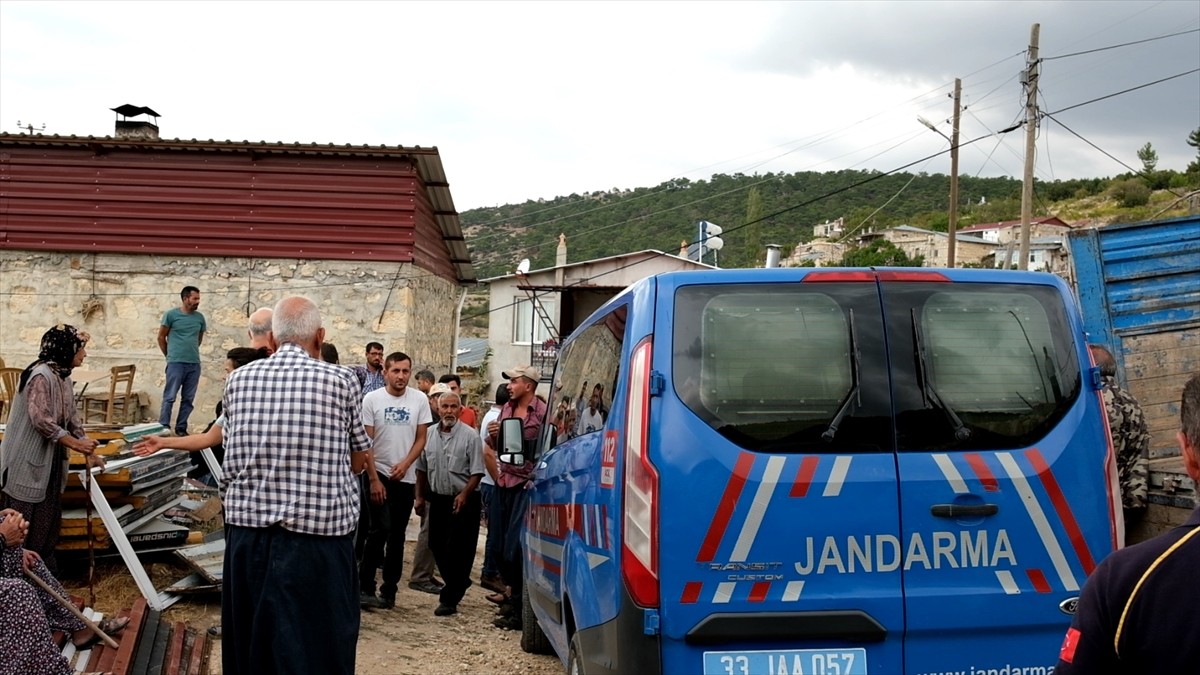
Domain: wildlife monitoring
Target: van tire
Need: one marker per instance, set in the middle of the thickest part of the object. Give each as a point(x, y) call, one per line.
point(533, 640)
point(574, 661)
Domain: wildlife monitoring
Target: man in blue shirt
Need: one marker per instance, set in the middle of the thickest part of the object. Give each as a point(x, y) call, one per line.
point(179, 338)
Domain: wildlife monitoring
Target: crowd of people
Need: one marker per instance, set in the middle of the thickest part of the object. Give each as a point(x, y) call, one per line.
point(323, 467)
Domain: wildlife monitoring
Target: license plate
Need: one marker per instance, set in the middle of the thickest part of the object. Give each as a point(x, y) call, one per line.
point(787, 662)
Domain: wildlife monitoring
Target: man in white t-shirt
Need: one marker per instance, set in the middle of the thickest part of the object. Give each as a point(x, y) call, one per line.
point(592, 418)
point(396, 418)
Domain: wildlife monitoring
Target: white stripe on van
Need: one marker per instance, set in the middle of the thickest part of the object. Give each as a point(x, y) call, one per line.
point(545, 548)
point(1007, 582)
point(724, 592)
point(758, 508)
point(841, 466)
point(951, 473)
point(791, 592)
point(1038, 516)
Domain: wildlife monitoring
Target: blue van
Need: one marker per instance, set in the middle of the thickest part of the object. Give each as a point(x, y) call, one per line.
point(819, 471)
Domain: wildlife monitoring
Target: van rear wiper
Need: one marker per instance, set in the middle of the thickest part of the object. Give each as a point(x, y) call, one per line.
point(961, 432)
point(853, 394)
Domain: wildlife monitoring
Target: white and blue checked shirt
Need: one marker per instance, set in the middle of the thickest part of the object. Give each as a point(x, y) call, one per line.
point(291, 422)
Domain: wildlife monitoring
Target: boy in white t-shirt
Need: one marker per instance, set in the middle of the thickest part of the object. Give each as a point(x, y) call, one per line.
point(396, 418)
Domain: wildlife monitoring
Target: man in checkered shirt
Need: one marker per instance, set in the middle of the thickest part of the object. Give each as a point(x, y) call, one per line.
point(294, 440)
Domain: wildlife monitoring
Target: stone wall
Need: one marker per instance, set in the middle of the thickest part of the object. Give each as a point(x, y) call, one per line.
point(120, 300)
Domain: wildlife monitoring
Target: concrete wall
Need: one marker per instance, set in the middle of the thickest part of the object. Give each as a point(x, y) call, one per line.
point(124, 297)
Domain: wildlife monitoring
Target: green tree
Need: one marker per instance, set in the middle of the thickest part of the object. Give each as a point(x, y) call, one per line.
point(1194, 141)
point(1149, 158)
point(755, 254)
point(880, 253)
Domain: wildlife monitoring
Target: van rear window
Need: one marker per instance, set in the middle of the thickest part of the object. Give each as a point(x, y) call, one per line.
point(772, 367)
point(807, 367)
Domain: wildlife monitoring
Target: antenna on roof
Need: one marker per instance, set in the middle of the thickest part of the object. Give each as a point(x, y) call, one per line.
point(523, 266)
point(30, 128)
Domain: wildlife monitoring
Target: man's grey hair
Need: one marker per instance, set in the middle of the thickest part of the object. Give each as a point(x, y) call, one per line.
point(1189, 411)
point(260, 322)
point(296, 319)
point(449, 395)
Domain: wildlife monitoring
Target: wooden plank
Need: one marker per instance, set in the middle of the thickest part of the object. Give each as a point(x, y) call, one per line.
point(159, 651)
point(141, 659)
point(199, 656)
point(130, 637)
point(173, 661)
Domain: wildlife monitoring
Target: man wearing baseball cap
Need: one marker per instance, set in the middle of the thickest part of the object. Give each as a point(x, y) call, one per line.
point(508, 508)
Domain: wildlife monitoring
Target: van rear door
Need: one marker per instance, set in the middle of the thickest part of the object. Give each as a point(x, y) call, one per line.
point(779, 545)
point(1000, 450)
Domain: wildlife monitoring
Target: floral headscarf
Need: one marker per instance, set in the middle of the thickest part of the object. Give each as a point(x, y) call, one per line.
point(60, 344)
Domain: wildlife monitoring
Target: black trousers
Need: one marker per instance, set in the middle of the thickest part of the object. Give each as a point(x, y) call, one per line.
point(453, 538)
point(288, 603)
point(385, 537)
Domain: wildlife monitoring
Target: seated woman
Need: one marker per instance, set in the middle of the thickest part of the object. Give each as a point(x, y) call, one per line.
point(215, 433)
point(21, 629)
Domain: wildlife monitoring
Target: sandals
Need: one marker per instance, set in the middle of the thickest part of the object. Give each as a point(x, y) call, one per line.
point(109, 627)
point(499, 598)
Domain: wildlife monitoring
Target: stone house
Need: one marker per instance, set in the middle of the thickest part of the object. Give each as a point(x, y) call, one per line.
point(1010, 230)
point(103, 232)
point(932, 245)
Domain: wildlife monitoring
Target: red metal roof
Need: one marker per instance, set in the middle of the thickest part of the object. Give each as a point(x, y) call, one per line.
point(227, 198)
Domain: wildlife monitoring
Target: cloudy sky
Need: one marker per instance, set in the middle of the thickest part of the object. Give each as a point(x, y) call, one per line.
point(539, 99)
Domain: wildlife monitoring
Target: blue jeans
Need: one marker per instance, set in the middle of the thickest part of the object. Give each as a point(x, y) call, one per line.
point(184, 376)
point(491, 549)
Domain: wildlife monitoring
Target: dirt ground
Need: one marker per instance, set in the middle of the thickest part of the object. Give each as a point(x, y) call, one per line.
point(405, 639)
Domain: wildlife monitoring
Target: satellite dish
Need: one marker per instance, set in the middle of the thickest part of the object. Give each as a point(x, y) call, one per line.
point(523, 267)
point(714, 243)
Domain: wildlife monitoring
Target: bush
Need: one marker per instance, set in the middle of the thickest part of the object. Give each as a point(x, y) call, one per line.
point(1131, 192)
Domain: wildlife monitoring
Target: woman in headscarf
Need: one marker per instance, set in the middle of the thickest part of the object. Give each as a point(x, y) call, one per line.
point(43, 426)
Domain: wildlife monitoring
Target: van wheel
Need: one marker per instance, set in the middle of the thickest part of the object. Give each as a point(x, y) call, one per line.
point(574, 661)
point(533, 640)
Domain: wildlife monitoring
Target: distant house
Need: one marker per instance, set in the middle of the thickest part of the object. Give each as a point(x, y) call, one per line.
point(820, 252)
point(828, 230)
point(567, 294)
point(1010, 230)
point(932, 245)
point(1046, 254)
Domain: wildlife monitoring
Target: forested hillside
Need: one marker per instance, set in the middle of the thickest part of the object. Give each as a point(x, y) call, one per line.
point(608, 223)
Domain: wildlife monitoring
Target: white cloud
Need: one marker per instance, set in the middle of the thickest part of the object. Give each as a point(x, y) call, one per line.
point(532, 99)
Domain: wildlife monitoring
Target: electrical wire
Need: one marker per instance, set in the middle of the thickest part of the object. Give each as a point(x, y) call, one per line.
point(1124, 44)
point(1124, 91)
point(1140, 172)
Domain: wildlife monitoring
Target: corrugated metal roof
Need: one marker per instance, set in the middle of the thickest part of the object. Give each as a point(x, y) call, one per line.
point(471, 352)
point(313, 201)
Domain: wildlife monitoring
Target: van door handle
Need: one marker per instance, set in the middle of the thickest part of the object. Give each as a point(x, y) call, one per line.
point(963, 510)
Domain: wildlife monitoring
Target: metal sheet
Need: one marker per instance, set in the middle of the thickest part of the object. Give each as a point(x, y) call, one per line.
point(207, 559)
point(233, 199)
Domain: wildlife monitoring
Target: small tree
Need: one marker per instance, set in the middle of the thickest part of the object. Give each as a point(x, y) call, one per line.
point(880, 253)
point(1149, 158)
point(1131, 192)
point(1194, 141)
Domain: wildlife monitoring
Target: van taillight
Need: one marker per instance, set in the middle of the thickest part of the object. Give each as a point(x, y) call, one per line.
point(639, 535)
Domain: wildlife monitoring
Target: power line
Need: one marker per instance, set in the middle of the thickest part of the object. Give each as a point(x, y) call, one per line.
point(1124, 91)
point(1140, 172)
point(1124, 44)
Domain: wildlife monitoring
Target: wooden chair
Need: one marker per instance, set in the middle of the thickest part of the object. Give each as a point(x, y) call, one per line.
point(118, 404)
point(9, 379)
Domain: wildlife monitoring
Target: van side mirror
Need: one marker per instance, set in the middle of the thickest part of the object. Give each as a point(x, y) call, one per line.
point(511, 442)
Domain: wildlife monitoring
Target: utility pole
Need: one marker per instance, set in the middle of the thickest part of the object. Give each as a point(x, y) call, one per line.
point(952, 240)
point(1031, 119)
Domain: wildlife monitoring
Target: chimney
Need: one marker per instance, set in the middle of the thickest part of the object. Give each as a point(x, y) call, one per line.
point(683, 249)
point(140, 130)
point(560, 259)
point(772, 255)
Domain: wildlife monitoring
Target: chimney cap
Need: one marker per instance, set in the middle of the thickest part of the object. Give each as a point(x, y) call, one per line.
point(130, 110)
